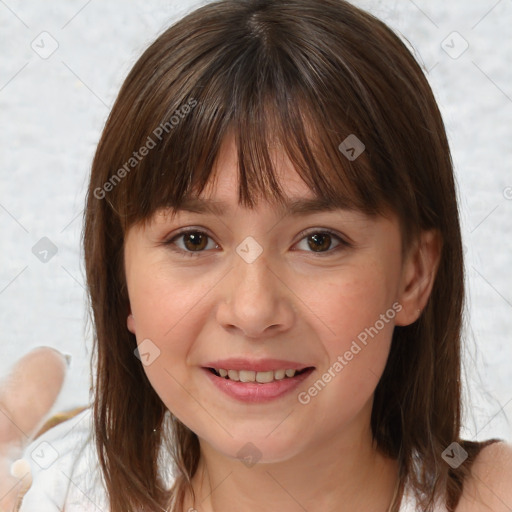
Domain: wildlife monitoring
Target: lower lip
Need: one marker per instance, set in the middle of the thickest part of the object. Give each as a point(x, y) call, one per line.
point(256, 392)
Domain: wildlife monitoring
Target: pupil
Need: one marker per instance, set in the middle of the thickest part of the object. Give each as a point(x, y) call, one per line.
point(195, 239)
point(321, 237)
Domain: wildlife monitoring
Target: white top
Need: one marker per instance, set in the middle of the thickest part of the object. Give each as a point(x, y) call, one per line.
point(66, 473)
point(65, 469)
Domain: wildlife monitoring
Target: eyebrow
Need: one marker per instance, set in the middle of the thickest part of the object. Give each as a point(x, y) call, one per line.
point(295, 208)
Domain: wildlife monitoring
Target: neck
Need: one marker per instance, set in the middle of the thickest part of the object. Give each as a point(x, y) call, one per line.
point(344, 473)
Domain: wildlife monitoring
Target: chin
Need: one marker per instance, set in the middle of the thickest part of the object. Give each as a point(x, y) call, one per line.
point(251, 449)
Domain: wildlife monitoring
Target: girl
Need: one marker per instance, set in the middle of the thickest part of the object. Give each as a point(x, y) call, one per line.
point(274, 264)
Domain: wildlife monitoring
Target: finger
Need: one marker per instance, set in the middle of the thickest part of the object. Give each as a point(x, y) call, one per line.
point(15, 484)
point(28, 393)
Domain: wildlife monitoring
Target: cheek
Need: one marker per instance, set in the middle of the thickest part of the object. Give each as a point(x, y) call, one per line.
point(351, 302)
point(169, 309)
point(162, 299)
point(356, 314)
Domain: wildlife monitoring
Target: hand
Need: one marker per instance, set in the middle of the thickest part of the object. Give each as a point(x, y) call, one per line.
point(26, 397)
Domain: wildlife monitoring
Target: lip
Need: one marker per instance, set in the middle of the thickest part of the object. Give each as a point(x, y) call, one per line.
point(255, 392)
point(257, 365)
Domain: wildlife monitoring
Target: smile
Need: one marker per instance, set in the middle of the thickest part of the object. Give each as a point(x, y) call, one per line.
point(253, 376)
point(252, 386)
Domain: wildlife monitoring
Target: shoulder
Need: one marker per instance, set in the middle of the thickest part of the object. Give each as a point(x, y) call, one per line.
point(64, 467)
point(489, 486)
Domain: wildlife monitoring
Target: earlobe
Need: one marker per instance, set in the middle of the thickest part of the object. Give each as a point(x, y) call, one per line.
point(418, 276)
point(130, 323)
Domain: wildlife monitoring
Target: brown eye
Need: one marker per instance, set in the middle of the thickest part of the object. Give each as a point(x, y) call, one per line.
point(320, 242)
point(195, 240)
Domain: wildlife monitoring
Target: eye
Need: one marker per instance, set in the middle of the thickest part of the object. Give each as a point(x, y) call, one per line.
point(194, 242)
point(321, 240)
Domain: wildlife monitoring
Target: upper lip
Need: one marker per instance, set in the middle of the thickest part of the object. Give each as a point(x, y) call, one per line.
point(257, 365)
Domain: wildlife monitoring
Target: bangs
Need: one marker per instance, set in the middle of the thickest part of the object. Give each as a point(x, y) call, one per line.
point(271, 98)
point(262, 132)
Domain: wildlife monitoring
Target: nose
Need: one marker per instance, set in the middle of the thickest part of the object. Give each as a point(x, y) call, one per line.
point(255, 300)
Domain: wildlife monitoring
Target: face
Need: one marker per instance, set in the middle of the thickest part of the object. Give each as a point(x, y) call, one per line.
point(319, 290)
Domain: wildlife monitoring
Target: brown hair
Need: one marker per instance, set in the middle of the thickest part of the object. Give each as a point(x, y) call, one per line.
point(306, 73)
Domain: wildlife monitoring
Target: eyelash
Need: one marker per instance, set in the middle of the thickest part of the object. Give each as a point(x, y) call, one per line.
point(304, 234)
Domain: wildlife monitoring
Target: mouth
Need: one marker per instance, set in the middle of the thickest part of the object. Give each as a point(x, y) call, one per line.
point(251, 386)
point(261, 377)
point(252, 380)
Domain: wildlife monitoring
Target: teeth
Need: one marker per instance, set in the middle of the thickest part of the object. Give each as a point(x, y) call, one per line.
point(252, 376)
point(245, 376)
point(279, 374)
point(233, 375)
point(263, 377)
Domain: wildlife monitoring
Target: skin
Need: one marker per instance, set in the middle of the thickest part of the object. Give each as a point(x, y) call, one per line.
point(26, 397)
point(290, 303)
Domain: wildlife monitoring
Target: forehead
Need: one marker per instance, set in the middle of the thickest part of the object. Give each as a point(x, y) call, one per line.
point(220, 195)
point(222, 189)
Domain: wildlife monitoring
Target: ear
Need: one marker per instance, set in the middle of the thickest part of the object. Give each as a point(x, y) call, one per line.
point(418, 275)
point(130, 323)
